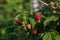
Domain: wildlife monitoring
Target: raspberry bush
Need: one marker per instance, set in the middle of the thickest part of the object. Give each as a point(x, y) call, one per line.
point(23, 20)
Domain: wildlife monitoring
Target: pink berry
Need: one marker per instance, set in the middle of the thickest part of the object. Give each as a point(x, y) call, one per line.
point(38, 16)
point(34, 31)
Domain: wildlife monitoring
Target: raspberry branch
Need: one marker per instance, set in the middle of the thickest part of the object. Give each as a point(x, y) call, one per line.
point(47, 4)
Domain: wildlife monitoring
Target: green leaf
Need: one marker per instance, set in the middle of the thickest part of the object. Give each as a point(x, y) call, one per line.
point(55, 35)
point(25, 19)
point(48, 20)
point(32, 21)
point(1, 17)
point(47, 37)
point(51, 36)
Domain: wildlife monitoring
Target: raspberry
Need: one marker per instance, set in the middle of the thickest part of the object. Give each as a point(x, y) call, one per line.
point(29, 26)
point(34, 31)
point(23, 23)
point(51, 4)
point(38, 16)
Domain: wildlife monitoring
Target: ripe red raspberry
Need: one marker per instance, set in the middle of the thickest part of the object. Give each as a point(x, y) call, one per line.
point(34, 31)
point(38, 16)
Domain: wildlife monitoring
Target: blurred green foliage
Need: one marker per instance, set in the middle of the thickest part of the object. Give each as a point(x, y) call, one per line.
point(9, 9)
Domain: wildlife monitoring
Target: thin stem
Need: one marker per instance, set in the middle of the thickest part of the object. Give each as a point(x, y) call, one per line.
point(43, 2)
point(46, 4)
